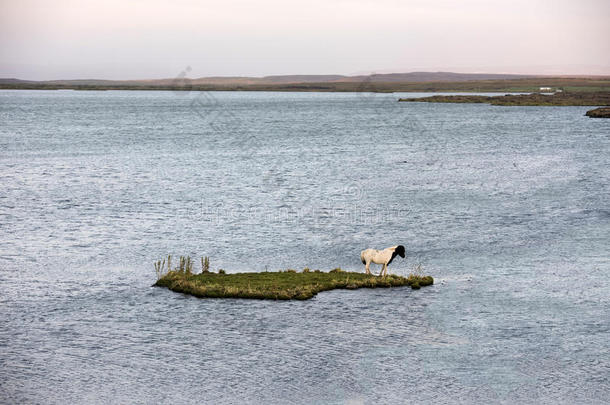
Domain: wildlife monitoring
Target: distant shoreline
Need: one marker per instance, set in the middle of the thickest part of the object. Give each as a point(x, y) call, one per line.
point(525, 85)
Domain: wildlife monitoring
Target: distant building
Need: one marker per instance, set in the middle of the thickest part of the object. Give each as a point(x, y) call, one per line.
point(546, 88)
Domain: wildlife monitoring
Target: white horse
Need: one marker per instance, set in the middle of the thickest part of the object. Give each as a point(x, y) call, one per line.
point(384, 257)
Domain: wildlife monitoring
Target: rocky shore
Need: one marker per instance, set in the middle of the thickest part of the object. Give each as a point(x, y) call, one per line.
point(602, 112)
point(601, 98)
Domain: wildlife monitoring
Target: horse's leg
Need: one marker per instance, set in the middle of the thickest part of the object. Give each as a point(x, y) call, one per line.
point(383, 269)
point(367, 267)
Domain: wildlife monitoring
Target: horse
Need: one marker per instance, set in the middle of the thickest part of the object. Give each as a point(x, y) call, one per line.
point(384, 257)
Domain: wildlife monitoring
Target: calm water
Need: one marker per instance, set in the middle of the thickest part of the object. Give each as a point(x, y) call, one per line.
point(507, 207)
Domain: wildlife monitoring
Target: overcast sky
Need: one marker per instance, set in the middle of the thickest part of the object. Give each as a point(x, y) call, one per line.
point(137, 39)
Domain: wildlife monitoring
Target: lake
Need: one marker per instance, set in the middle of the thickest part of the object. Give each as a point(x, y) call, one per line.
point(506, 207)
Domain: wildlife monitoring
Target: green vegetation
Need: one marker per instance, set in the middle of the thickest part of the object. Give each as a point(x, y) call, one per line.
point(602, 112)
point(281, 285)
point(535, 99)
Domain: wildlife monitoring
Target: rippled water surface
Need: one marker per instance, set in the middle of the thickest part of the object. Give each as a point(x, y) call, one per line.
point(507, 207)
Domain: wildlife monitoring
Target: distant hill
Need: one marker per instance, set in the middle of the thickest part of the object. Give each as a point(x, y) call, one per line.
point(418, 77)
point(302, 79)
point(14, 81)
point(413, 77)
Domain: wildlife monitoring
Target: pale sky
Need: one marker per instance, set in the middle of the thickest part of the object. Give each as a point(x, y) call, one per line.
point(139, 39)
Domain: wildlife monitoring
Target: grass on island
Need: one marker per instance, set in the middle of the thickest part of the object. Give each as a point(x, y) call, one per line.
point(534, 99)
point(281, 285)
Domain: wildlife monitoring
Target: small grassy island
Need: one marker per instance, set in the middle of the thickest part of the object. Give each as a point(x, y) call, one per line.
point(593, 98)
point(282, 285)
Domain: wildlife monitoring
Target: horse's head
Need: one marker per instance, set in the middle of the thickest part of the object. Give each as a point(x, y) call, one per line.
point(400, 251)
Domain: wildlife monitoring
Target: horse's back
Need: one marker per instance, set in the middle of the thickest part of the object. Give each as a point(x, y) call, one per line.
point(367, 254)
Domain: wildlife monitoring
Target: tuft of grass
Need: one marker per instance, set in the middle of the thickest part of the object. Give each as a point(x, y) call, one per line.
point(205, 264)
point(416, 281)
point(306, 270)
point(160, 268)
point(281, 285)
point(186, 265)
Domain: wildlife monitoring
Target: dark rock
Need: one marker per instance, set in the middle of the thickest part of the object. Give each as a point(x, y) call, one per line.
point(602, 112)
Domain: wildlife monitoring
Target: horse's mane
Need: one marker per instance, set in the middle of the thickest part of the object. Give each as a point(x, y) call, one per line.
point(400, 250)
